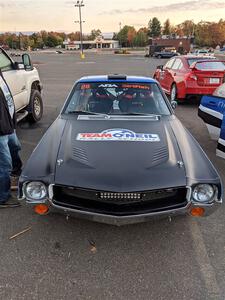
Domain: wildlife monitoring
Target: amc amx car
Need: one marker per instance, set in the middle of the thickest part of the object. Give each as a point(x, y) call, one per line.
point(118, 154)
point(212, 112)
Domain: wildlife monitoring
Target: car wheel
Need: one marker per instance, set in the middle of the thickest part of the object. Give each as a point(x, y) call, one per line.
point(173, 92)
point(35, 107)
point(159, 56)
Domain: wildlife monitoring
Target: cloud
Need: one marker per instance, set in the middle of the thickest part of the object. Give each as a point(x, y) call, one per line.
point(191, 5)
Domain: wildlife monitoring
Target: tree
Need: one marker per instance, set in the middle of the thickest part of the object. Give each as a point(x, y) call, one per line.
point(123, 35)
point(186, 28)
point(74, 36)
point(131, 35)
point(167, 27)
point(141, 38)
point(154, 26)
point(94, 34)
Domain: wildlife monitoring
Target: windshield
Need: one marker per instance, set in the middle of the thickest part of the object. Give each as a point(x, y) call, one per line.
point(117, 98)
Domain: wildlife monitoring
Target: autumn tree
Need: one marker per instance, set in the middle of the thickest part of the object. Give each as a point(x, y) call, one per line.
point(123, 35)
point(131, 34)
point(167, 27)
point(74, 36)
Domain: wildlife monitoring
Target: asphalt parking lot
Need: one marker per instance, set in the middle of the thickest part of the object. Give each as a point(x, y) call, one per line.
point(60, 258)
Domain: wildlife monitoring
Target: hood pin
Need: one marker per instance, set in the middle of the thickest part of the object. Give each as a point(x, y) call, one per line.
point(59, 162)
point(180, 164)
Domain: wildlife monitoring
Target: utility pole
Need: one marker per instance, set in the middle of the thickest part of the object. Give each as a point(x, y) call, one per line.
point(120, 24)
point(80, 4)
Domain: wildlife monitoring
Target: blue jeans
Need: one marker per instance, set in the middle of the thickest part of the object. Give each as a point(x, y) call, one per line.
point(10, 163)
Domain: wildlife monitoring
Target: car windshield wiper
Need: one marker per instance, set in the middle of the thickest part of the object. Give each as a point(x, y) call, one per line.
point(84, 112)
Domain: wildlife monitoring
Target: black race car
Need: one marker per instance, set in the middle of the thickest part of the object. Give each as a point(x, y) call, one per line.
point(118, 154)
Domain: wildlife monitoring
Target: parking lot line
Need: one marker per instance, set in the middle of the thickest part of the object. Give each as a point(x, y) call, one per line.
point(203, 260)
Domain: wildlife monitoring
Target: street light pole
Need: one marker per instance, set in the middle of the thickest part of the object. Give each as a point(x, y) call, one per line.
point(80, 4)
point(120, 31)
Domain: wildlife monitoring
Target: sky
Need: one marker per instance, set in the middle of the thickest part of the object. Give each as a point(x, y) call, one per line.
point(59, 15)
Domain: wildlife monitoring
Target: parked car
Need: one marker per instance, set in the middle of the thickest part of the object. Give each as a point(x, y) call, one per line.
point(186, 76)
point(203, 52)
point(25, 85)
point(117, 154)
point(160, 51)
point(212, 112)
point(165, 54)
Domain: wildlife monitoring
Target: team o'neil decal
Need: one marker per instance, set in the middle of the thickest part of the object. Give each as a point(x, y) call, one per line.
point(118, 135)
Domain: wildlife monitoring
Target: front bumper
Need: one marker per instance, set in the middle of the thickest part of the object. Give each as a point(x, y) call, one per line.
point(132, 219)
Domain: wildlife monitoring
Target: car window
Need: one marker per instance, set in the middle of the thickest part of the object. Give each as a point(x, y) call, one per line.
point(177, 64)
point(117, 98)
point(5, 62)
point(193, 60)
point(210, 65)
point(220, 91)
point(169, 64)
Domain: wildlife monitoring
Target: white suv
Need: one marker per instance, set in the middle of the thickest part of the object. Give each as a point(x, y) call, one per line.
point(24, 83)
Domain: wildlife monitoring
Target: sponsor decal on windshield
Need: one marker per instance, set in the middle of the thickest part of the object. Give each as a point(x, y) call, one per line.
point(108, 85)
point(136, 86)
point(118, 135)
point(85, 86)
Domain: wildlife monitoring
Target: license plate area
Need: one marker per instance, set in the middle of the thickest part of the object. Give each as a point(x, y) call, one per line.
point(214, 80)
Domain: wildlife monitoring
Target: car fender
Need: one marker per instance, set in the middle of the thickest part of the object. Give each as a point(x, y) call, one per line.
point(181, 89)
point(43, 158)
point(197, 165)
point(30, 78)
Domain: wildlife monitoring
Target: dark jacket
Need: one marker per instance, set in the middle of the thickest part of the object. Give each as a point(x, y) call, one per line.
point(7, 124)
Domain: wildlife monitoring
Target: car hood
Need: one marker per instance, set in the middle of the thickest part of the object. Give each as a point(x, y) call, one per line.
point(119, 166)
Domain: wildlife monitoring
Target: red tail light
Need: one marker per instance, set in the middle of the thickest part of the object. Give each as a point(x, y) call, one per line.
point(191, 76)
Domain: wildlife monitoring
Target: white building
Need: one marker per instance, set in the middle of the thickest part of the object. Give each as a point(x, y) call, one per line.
point(98, 43)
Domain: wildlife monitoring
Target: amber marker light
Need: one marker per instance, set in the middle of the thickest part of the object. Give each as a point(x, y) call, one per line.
point(197, 211)
point(41, 209)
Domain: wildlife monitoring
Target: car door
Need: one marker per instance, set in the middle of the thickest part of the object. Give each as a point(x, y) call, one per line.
point(15, 79)
point(168, 79)
point(176, 75)
point(164, 74)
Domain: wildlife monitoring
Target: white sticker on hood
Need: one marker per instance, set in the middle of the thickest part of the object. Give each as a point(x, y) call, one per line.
point(118, 135)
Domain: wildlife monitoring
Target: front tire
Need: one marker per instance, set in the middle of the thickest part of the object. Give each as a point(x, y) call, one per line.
point(35, 107)
point(173, 92)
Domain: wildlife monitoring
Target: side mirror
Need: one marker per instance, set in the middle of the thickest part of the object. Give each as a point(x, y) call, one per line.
point(174, 104)
point(27, 62)
point(160, 67)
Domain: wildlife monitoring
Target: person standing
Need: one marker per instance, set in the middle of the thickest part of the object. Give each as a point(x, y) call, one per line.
point(10, 162)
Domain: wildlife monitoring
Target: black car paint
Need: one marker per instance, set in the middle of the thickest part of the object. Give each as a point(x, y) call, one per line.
point(119, 166)
point(176, 161)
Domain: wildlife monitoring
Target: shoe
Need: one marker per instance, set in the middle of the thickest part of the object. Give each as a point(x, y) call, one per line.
point(14, 183)
point(12, 202)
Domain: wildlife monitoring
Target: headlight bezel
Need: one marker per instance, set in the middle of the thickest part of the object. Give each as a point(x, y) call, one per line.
point(214, 196)
point(29, 197)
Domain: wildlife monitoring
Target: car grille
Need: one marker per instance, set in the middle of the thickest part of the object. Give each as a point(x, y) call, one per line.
point(119, 204)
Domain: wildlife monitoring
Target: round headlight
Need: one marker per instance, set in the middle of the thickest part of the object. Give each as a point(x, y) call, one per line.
point(203, 193)
point(35, 190)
